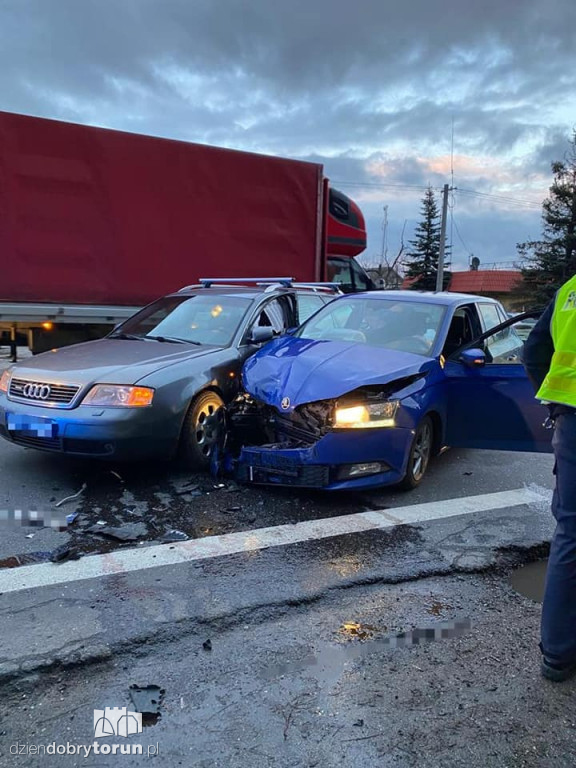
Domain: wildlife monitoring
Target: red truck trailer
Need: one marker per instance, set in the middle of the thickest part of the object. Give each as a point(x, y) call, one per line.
point(95, 223)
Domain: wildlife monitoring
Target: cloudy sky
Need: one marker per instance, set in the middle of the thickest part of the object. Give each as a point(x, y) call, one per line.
point(390, 96)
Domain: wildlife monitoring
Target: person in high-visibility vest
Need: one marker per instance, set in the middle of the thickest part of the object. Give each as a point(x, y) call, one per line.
point(550, 360)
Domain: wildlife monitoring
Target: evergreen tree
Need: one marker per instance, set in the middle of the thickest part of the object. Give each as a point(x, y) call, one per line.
point(422, 258)
point(549, 262)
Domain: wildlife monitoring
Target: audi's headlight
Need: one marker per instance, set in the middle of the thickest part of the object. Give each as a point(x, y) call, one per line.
point(5, 380)
point(117, 396)
point(366, 416)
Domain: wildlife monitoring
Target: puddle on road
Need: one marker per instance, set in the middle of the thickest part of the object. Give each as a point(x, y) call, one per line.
point(529, 580)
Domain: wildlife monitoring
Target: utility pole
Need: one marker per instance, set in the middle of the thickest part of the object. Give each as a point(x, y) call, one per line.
point(440, 273)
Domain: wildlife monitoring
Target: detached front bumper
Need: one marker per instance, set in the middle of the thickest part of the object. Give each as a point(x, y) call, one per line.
point(327, 463)
point(107, 433)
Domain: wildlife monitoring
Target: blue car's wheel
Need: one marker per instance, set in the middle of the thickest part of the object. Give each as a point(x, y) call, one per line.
point(420, 453)
point(203, 429)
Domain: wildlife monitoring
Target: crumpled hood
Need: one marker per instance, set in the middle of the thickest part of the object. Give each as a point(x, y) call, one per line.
point(108, 361)
point(305, 371)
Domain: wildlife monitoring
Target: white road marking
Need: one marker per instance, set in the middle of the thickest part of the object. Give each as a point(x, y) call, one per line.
point(125, 561)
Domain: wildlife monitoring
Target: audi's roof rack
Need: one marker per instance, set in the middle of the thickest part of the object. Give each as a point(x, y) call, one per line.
point(332, 287)
point(209, 281)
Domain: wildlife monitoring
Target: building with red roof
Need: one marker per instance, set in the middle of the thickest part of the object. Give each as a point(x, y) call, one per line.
point(500, 284)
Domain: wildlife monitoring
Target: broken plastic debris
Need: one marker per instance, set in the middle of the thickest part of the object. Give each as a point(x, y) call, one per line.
point(71, 498)
point(71, 517)
point(65, 552)
point(128, 532)
point(174, 535)
point(30, 535)
point(207, 645)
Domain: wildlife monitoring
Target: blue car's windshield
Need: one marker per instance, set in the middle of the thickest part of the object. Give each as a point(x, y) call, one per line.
point(198, 319)
point(407, 326)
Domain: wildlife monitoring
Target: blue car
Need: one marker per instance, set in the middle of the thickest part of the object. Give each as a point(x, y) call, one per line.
point(369, 388)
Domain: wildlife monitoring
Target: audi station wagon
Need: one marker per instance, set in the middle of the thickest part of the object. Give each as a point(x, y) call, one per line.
point(158, 384)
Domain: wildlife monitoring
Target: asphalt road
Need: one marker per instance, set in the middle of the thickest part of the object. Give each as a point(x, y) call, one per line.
point(302, 597)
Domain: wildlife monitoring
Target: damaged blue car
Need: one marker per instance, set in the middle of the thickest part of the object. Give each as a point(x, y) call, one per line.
point(372, 386)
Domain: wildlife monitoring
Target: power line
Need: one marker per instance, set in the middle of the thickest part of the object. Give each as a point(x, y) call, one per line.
point(411, 187)
point(379, 185)
point(500, 198)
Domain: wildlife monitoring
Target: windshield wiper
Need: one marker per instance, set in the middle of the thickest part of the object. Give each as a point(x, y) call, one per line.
point(173, 340)
point(126, 336)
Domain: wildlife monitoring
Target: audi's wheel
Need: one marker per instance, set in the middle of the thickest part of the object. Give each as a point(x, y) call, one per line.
point(203, 430)
point(420, 453)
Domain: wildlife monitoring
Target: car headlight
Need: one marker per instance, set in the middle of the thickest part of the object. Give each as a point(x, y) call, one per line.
point(5, 380)
point(366, 416)
point(118, 396)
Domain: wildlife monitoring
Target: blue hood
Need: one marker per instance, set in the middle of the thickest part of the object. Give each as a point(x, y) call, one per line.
point(306, 371)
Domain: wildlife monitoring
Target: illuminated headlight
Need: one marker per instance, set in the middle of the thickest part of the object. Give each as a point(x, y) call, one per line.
point(5, 380)
point(117, 396)
point(366, 416)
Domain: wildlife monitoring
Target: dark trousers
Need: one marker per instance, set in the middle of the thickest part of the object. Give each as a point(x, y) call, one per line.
point(559, 609)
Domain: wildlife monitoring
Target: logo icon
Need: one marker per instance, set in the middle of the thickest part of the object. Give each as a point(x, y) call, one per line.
point(285, 404)
point(570, 301)
point(116, 721)
point(36, 391)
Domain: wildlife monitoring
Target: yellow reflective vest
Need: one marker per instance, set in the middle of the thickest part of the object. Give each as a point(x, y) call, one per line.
point(559, 386)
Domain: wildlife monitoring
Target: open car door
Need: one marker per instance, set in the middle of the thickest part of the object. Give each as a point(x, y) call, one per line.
point(490, 400)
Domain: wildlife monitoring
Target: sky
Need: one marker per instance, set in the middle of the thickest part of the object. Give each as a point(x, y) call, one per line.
point(389, 96)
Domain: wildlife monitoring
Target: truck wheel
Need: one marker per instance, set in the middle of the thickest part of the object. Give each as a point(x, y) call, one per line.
point(203, 429)
point(420, 453)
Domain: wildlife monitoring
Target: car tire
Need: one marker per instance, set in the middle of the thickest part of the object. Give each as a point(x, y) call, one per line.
point(203, 430)
point(421, 451)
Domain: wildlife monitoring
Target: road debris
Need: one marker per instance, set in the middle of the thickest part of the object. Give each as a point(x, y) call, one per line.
point(71, 517)
point(128, 532)
point(71, 498)
point(207, 645)
point(353, 629)
point(65, 552)
point(112, 472)
point(174, 535)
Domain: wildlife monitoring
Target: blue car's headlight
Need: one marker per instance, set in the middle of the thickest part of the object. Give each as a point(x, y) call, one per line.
point(366, 416)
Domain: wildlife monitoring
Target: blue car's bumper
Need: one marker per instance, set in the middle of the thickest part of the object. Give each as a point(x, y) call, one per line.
point(108, 433)
point(327, 463)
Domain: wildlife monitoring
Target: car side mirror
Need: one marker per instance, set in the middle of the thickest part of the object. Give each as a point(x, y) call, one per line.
point(473, 358)
point(261, 335)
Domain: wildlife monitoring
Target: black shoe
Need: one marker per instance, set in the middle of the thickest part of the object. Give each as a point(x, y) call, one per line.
point(557, 673)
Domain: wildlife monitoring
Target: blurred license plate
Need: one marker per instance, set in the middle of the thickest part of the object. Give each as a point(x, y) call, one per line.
point(31, 425)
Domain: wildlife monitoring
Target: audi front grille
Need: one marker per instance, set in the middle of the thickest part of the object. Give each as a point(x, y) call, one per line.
point(42, 392)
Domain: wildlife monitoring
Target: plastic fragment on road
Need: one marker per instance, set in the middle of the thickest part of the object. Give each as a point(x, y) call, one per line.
point(128, 532)
point(71, 498)
point(65, 552)
point(71, 517)
point(174, 535)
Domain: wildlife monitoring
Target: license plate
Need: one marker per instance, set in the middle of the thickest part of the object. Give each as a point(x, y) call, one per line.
point(31, 425)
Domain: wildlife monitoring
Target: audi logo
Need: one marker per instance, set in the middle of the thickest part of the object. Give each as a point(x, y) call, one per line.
point(36, 391)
